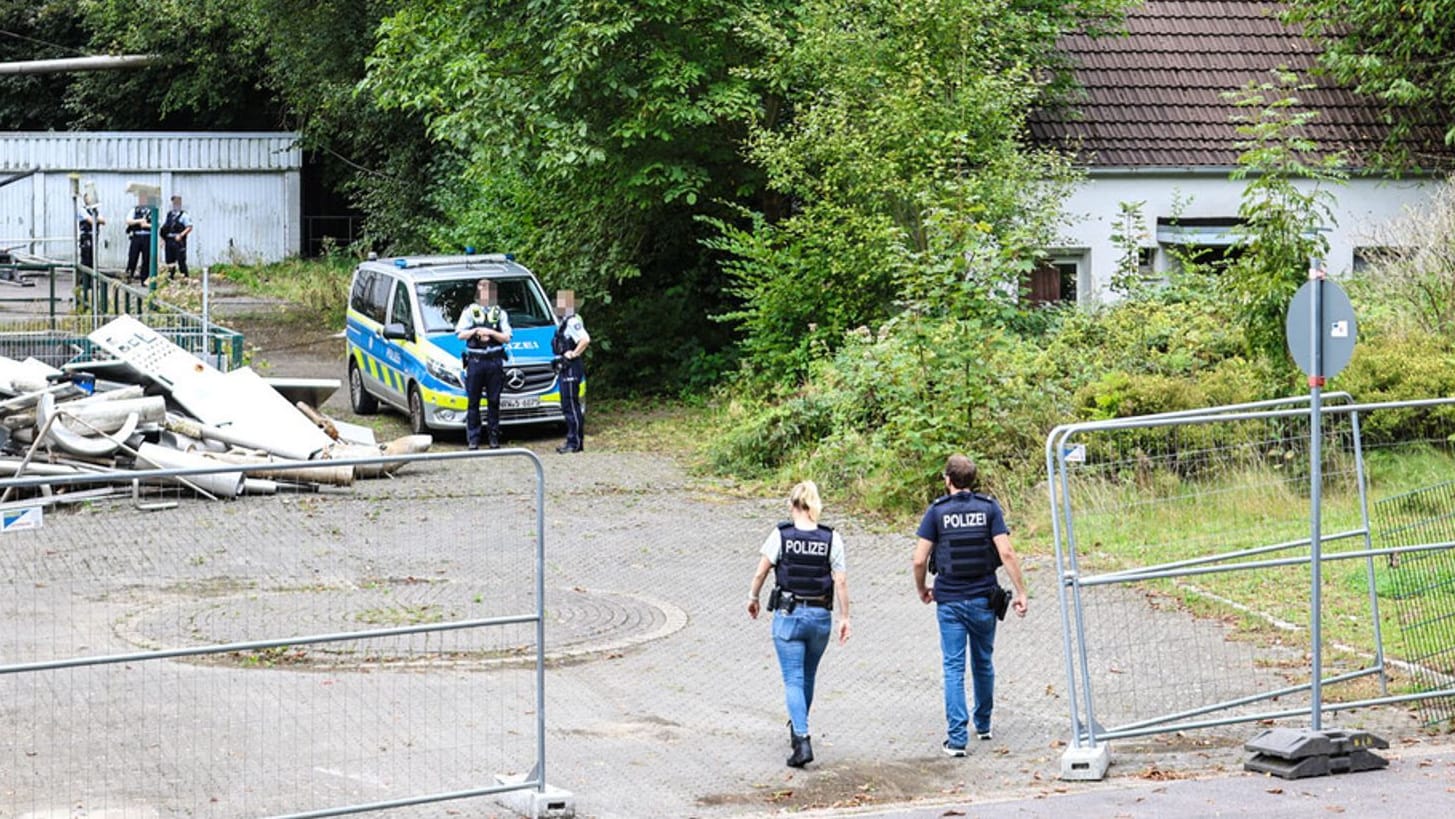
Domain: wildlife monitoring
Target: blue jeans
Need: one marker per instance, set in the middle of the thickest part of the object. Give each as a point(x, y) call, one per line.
point(800, 639)
point(969, 622)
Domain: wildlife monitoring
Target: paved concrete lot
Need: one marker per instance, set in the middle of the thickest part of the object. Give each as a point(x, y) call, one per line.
point(663, 698)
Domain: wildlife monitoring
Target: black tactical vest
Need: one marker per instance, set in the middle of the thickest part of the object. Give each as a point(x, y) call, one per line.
point(137, 230)
point(174, 223)
point(803, 564)
point(560, 344)
point(965, 550)
point(483, 317)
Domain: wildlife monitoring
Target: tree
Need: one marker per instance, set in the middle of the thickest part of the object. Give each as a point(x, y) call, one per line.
point(212, 77)
point(900, 146)
point(37, 31)
point(589, 137)
point(1281, 222)
point(1396, 51)
point(265, 65)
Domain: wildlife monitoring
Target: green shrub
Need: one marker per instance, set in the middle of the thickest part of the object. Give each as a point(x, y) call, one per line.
point(1401, 367)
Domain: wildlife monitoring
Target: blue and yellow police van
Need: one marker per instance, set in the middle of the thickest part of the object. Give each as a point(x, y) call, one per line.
point(402, 349)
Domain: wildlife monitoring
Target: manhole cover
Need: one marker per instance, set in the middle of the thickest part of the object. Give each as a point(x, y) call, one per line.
point(579, 623)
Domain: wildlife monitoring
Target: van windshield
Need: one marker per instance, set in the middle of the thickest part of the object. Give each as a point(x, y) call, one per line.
point(442, 302)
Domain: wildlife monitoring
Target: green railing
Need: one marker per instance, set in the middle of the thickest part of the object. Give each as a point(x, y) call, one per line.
point(61, 338)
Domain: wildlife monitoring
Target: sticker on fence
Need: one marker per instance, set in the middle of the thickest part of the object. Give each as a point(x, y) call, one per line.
point(19, 520)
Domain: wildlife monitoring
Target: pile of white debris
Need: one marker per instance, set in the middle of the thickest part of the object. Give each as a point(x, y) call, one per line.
point(144, 403)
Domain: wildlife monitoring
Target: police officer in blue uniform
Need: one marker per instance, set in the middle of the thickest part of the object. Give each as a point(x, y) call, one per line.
point(176, 227)
point(485, 328)
point(807, 560)
point(91, 220)
point(139, 228)
point(963, 539)
point(568, 345)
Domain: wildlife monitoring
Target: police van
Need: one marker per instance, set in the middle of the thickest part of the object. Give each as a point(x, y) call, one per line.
point(402, 349)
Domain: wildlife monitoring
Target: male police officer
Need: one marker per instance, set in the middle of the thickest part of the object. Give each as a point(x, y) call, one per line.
point(175, 230)
point(963, 539)
point(91, 220)
point(485, 327)
point(139, 228)
point(568, 344)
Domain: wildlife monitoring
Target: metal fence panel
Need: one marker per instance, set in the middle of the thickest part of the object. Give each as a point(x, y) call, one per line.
point(294, 654)
point(1207, 514)
point(60, 339)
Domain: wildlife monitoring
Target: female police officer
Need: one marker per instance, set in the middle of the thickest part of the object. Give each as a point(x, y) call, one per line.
point(808, 564)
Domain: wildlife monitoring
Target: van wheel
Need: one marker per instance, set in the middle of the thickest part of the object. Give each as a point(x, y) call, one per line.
point(418, 423)
point(359, 398)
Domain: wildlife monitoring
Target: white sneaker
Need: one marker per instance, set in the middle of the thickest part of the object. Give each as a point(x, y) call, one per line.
point(951, 750)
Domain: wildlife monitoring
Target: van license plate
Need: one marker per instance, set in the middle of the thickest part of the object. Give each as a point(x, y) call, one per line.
point(520, 402)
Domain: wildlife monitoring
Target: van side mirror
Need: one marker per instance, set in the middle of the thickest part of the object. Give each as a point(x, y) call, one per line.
point(395, 330)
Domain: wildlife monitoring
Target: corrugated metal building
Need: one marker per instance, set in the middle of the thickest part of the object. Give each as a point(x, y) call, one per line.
point(242, 190)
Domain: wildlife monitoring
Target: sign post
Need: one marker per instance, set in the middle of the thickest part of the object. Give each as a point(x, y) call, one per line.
point(1321, 332)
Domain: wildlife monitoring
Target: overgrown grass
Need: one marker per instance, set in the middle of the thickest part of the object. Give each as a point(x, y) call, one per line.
point(1160, 520)
point(319, 286)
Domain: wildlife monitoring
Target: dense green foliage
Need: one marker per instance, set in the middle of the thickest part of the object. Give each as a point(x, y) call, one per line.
point(900, 150)
point(1396, 51)
point(590, 138)
point(36, 31)
point(1281, 228)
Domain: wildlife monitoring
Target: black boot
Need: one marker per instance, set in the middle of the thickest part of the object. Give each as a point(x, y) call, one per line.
point(802, 752)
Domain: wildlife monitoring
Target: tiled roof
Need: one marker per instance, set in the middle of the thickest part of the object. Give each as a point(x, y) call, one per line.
point(1152, 98)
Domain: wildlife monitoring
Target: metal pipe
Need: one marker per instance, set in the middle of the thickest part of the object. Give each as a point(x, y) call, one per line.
point(316, 471)
point(1248, 700)
point(1118, 733)
point(1061, 585)
point(1256, 550)
point(105, 62)
point(1359, 480)
point(1125, 577)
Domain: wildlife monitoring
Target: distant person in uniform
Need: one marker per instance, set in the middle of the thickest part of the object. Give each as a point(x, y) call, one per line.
point(175, 230)
point(90, 220)
point(567, 346)
point(485, 327)
point(807, 560)
point(962, 540)
point(139, 228)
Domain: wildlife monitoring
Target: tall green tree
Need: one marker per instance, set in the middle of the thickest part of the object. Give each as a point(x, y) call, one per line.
point(1286, 208)
point(31, 30)
point(590, 135)
point(901, 146)
point(1397, 51)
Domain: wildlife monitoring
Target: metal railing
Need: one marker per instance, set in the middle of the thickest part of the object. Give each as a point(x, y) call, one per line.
point(1205, 512)
point(329, 656)
point(99, 298)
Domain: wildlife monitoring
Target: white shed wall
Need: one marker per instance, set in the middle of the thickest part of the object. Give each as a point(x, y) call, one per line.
point(243, 191)
point(1363, 207)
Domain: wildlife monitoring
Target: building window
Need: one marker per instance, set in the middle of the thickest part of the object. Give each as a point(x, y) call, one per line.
point(1056, 280)
point(1366, 258)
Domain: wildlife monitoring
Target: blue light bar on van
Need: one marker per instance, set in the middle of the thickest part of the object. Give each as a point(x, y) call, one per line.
point(438, 261)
